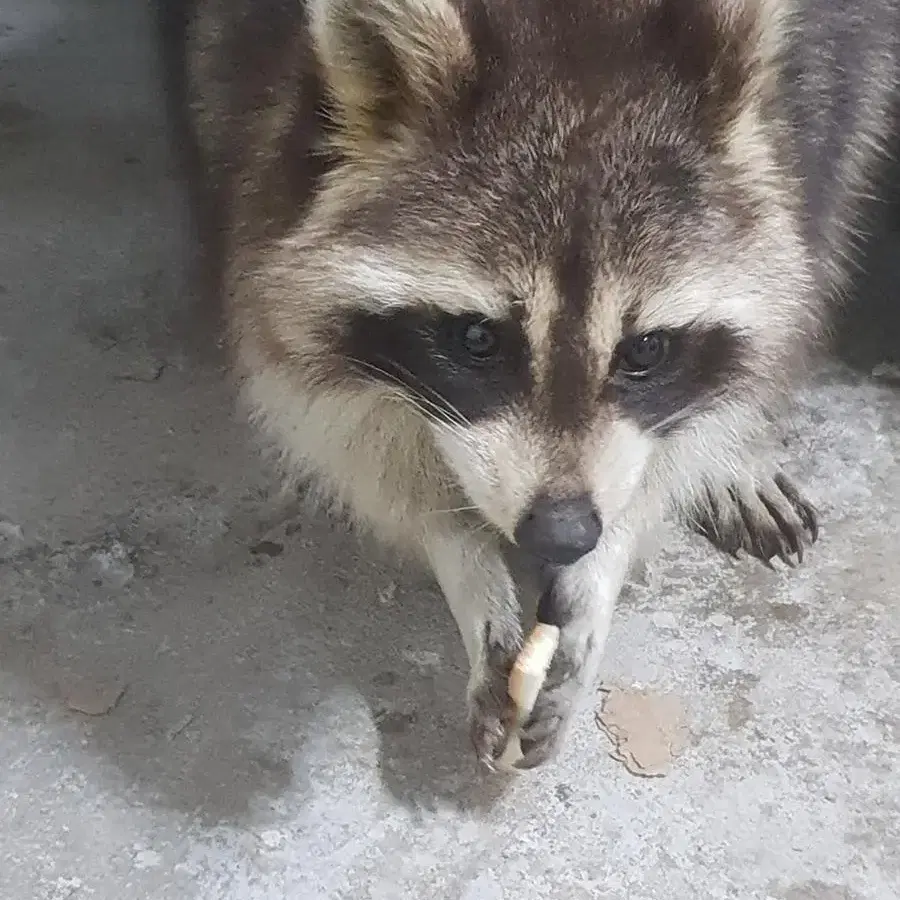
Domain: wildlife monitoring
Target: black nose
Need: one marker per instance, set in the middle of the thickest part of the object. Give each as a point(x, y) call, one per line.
point(560, 531)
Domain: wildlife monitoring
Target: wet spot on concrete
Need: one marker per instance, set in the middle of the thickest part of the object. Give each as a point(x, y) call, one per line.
point(735, 682)
point(12, 541)
point(15, 115)
point(267, 548)
point(788, 613)
point(139, 367)
point(92, 696)
point(818, 890)
point(394, 721)
point(112, 566)
point(740, 712)
point(564, 794)
point(770, 621)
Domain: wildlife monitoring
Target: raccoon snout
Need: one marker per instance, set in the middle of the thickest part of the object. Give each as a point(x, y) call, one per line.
point(560, 530)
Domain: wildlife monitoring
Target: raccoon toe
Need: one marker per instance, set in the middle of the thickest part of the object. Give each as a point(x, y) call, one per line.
point(774, 520)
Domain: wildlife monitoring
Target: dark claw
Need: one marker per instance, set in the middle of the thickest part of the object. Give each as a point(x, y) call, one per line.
point(786, 555)
point(789, 543)
point(804, 509)
point(811, 521)
point(760, 524)
point(754, 535)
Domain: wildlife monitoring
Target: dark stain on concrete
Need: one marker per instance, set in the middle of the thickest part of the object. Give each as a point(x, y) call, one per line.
point(15, 115)
point(740, 712)
point(817, 890)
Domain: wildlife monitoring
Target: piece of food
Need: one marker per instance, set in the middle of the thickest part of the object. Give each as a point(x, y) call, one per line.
point(526, 680)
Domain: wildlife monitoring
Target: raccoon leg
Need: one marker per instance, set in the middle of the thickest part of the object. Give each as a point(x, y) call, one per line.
point(483, 598)
point(584, 598)
point(765, 517)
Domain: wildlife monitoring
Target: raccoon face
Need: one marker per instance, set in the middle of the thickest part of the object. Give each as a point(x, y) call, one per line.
point(563, 239)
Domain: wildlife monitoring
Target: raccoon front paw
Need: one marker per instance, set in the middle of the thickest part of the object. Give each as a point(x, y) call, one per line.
point(772, 520)
point(491, 711)
point(542, 735)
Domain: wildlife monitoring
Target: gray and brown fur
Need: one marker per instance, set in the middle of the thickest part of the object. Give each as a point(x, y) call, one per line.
point(571, 173)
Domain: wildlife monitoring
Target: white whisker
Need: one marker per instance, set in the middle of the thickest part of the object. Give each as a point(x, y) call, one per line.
point(457, 509)
point(444, 402)
point(443, 413)
point(681, 414)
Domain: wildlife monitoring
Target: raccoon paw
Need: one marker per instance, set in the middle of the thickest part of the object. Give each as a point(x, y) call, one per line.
point(491, 712)
point(771, 520)
point(542, 735)
point(493, 715)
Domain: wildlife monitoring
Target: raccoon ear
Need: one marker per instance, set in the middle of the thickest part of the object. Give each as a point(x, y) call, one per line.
point(388, 64)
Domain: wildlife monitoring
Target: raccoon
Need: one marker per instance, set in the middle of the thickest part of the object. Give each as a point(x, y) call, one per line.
point(535, 275)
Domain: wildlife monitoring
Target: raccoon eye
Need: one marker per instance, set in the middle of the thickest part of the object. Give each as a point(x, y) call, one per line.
point(478, 339)
point(641, 354)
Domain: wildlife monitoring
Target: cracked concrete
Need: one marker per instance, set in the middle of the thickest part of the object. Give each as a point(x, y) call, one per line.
point(276, 705)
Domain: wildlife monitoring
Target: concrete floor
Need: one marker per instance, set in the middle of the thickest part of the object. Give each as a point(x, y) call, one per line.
point(277, 708)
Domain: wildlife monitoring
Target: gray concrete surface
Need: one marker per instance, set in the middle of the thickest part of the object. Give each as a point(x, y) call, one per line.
point(290, 725)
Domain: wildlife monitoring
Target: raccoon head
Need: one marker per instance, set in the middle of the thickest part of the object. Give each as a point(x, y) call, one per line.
point(567, 234)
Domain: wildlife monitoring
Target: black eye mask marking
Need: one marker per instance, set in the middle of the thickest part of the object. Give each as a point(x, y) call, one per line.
point(660, 378)
point(469, 368)
point(465, 364)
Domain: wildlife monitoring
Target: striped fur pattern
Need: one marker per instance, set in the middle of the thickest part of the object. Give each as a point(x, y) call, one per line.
point(488, 258)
